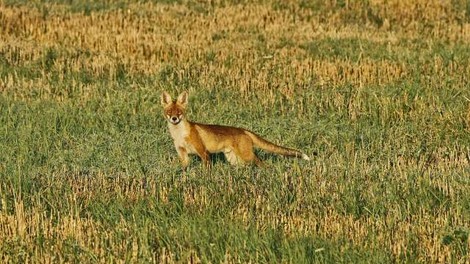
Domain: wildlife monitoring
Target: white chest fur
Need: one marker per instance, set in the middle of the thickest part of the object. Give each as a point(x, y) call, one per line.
point(179, 133)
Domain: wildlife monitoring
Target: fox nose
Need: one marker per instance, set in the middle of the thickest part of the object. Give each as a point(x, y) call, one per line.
point(174, 119)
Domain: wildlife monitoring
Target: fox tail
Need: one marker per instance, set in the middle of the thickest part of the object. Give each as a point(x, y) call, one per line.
point(273, 148)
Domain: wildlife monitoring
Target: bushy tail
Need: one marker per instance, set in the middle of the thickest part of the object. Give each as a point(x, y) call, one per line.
point(273, 148)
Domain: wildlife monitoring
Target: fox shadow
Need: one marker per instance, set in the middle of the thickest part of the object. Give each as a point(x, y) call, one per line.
point(216, 158)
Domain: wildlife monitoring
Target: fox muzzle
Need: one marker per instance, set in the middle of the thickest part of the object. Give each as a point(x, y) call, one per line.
point(174, 119)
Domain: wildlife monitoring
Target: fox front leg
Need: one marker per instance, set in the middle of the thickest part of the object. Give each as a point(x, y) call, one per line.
point(184, 157)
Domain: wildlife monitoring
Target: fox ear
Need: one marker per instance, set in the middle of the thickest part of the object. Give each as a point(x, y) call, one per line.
point(165, 98)
point(183, 99)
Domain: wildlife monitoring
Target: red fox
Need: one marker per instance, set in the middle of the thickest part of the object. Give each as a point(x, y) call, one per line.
point(201, 139)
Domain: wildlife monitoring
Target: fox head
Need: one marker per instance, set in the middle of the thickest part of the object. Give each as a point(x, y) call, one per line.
point(173, 110)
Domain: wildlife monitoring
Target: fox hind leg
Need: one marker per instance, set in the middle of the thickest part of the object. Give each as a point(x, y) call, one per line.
point(244, 151)
point(250, 157)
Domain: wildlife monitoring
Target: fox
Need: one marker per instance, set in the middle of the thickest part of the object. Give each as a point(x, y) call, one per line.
point(237, 144)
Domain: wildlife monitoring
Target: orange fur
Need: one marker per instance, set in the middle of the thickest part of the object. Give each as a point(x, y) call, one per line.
point(193, 138)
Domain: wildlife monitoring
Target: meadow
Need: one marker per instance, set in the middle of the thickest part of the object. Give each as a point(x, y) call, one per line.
point(376, 92)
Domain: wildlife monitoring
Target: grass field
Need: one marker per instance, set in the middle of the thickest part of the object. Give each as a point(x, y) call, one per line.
point(377, 92)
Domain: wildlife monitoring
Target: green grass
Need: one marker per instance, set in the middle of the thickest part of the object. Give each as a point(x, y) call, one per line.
point(111, 146)
point(88, 171)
